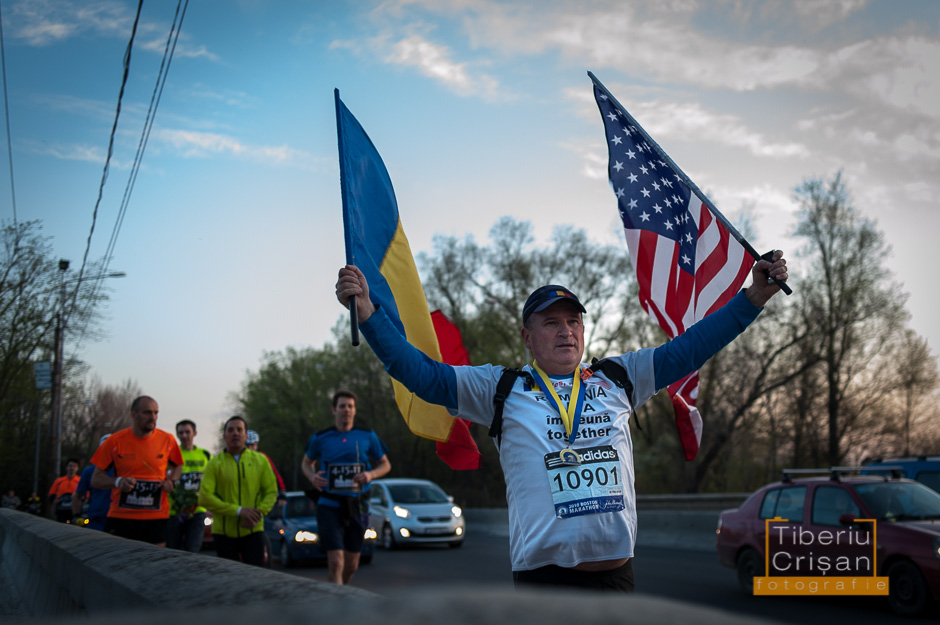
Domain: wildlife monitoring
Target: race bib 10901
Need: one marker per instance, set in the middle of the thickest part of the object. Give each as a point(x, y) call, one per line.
point(592, 486)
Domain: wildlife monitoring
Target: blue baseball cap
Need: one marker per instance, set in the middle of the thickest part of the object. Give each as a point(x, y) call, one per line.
point(545, 296)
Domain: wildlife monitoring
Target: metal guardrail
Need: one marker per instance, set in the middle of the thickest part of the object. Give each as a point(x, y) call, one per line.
point(703, 501)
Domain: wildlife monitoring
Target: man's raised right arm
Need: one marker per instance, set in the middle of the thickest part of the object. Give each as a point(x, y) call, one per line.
point(432, 381)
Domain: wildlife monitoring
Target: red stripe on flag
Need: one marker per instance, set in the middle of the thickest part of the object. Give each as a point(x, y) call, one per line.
point(745, 268)
point(645, 256)
point(688, 420)
point(710, 267)
point(460, 451)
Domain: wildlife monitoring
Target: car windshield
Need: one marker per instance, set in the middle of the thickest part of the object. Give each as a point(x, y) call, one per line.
point(299, 506)
point(417, 493)
point(900, 501)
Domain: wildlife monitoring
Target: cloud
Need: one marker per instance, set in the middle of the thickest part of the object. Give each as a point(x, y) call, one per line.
point(594, 159)
point(192, 144)
point(228, 97)
point(898, 71)
point(182, 49)
point(653, 40)
point(694, 123)
point(821, 13)
point(432, 60)
point(71, 152)
point(43, 22)
point(803, 15)
point(677, 43)
point(94, 109)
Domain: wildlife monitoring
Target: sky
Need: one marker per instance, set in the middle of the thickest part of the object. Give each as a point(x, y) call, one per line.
point(232, 235)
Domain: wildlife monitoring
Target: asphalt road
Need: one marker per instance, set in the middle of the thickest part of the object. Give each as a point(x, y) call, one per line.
point(690, 576)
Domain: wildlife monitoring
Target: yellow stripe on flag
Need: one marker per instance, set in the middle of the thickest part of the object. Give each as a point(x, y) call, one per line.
point(398, 267)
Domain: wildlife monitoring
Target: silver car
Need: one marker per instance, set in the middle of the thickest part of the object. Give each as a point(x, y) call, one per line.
point(409, 511)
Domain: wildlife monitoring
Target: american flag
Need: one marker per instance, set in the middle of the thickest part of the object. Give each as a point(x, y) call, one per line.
point(686, 262)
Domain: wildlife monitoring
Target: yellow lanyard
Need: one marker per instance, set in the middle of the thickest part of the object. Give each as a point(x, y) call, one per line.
point(570, 415)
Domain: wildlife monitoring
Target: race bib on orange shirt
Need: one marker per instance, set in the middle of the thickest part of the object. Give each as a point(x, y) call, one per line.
point(147, 495)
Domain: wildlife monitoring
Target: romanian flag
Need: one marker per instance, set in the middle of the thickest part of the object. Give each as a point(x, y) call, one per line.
point(376, 243)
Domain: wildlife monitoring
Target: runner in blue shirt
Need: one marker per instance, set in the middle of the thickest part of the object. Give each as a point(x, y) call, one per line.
point(99, 499)
point(340, 462)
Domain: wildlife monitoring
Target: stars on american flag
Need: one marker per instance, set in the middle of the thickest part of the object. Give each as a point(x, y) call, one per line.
point(650, 194)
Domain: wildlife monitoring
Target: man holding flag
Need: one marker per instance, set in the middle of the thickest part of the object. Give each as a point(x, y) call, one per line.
point(572, 517)
point(565, 446)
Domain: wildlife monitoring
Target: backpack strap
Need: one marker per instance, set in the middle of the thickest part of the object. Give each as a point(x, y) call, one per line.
point(613, 370)
point(503, 388)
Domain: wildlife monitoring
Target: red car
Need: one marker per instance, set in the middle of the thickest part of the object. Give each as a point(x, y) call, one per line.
point(822, 538)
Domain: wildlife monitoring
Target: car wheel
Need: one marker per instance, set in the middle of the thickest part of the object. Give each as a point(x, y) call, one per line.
point(365, 559)
point(388, 537)
point(907, 591)
point(750, 566)
point(286, 561)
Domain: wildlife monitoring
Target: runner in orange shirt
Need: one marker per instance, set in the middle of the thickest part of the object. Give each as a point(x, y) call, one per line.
point(147, 464)
point(60, 495)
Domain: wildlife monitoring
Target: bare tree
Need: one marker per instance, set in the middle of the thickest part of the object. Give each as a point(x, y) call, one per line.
point(93, 409)
point(917, 380)
point(848, 297)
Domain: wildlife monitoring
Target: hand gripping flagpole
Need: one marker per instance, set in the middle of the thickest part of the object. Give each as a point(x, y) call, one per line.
point(350, 254)
point(698, 193)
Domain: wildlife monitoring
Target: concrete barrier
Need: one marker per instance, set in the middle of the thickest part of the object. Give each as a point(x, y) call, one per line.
point(64, 570)
point(54, 571)
point(476, 605)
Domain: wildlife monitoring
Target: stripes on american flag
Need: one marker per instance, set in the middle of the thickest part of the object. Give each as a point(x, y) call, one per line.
point(687, 264)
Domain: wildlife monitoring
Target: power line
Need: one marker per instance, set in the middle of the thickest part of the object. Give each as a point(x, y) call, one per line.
point(6, 114)
point(107, 162)
point(155, 98)
point(168, 51)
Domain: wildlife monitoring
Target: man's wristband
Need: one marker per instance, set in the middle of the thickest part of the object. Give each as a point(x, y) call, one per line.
point(117, 482)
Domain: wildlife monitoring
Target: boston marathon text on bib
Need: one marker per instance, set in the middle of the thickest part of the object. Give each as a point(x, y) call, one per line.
point(595, 485)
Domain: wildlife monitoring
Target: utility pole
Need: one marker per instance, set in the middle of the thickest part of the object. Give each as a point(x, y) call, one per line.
point(57, 374)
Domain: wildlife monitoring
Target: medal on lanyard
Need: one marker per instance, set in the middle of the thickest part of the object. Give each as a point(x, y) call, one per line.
point(570, 415)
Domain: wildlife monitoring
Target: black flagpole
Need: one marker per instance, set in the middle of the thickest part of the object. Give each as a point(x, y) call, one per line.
point(350, 256)
point(698, 193)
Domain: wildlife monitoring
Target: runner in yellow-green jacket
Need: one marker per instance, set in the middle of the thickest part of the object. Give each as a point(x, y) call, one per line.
point(239, 489)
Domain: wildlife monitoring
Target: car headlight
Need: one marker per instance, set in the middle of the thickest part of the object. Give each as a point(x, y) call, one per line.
point(936, 547)
point(207, 520)
point(306, 537)
point(456, 511)
point(370, 534)
point(402, 513)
